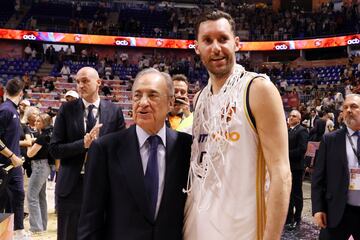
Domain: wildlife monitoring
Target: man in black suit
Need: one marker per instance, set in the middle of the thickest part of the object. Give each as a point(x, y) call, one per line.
point(335, 190)
point(313, 118)
point(298, 137)
point(135, 185)
point(78, 123)
point(318, 130)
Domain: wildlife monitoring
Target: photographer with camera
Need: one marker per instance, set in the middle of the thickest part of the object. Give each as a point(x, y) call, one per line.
point(181, 118)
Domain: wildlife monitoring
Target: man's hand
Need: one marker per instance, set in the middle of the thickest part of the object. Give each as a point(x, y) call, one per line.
point(320, 219)
point(92, 135)
point(16, 161)
point(185, 105)
point(87, 140)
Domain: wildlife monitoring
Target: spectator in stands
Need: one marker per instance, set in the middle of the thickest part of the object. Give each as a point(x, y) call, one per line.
point(26, 79)
point(180, 117)
point(36, 194)
point(17, 9)
point(115, 98)
point(108, 71)
point(84, 55)
point(71, 95)
point(33, 23)
point(52, 54)
point(68, 53)
point(124, 57)
point(70, 143)
point(33, 54)
point(65, 71)
point(106, 90)
point(37, 102)
point(10, 154)
point(49, 85)
point(27, 51)
point(146, 62)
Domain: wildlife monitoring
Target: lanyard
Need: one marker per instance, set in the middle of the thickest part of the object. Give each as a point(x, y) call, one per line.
point(353, 148)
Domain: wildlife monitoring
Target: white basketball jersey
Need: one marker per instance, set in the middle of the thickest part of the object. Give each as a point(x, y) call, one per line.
point(227, 196)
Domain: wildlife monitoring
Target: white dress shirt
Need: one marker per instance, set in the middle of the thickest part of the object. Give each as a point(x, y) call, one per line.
point(144, 152)
point(351, 157)
point(94, 111)
point(353, 196)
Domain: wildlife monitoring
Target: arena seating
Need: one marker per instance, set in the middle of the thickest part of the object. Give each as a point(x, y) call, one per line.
point(255, 23)
point(9, 68)
point(124, 73)
point(57, 16)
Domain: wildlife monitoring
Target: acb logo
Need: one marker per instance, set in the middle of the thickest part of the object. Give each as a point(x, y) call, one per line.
point(121, 42)
point(29, 37)
point(281, 46)
point(353, 41)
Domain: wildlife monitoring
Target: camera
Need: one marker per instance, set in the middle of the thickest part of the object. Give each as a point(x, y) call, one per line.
point(181, 100)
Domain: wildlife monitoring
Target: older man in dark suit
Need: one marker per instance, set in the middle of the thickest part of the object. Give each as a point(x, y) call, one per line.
point(335, 191)
point(298, 138)
point(136, 176)
point(78, 123)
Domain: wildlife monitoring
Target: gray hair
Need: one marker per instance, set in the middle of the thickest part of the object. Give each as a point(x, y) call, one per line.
point(29, 111)
point(166, 76)
point(297, 113)
point(352, 95)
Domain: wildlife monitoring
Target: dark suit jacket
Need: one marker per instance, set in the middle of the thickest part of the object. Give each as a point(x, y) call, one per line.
point(117, 205)
point(330, 179)
point(298, 138)
point(67, 142)
point(318, 130)
point(314, 122)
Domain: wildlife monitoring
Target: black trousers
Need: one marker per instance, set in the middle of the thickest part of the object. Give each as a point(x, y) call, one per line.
point(296, 197)
point(16, 197)
point(349, 225)
point(68, 213)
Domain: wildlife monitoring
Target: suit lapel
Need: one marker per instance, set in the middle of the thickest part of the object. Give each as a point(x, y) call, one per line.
point(342, 146)
point(79, 117)
point(170, 160)
point(132, 164)
point(103, 116)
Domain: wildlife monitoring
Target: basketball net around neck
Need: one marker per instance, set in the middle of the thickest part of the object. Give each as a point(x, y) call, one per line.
point(211, 117)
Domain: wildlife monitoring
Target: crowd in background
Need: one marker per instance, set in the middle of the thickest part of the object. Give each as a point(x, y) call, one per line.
point(254, 21)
